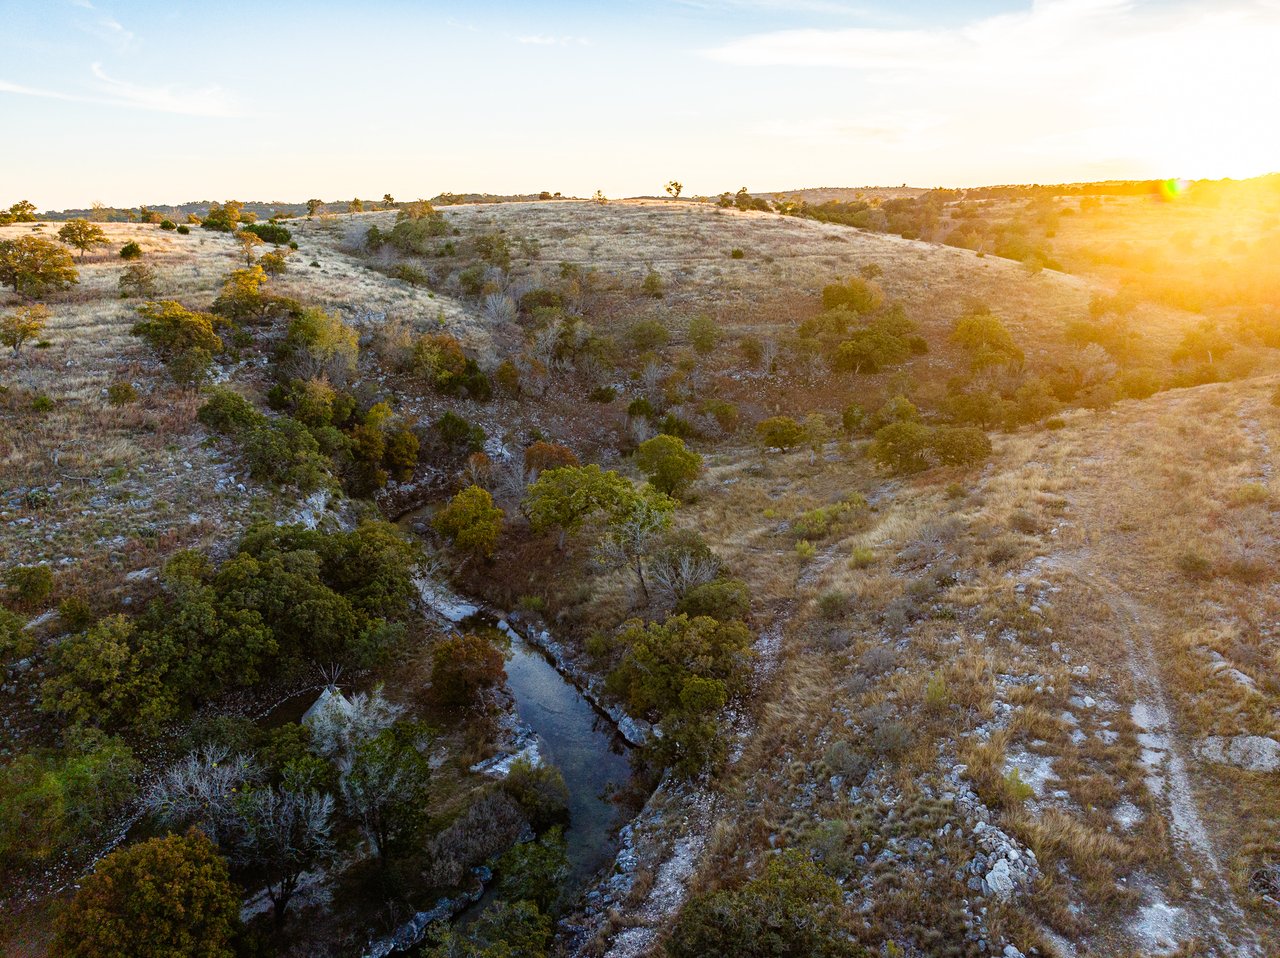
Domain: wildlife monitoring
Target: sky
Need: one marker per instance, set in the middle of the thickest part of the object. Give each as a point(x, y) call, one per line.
point(165, 101)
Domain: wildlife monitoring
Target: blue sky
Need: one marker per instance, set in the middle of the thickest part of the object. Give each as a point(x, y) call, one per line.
point(128, 101)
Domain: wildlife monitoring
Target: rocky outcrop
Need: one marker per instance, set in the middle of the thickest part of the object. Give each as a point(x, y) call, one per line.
point(1253, 753)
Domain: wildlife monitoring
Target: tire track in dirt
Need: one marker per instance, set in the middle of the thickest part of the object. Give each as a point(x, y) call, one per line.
point(1211, 913)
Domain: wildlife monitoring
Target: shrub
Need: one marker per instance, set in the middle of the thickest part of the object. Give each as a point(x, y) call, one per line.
point(652, 285)
point(540, 298)
point(704, 334)
point(736, 253)
point(285, 452)
point(169, 896)
point(641, 408)
point(721, 599)
point(168, 225)
point(780, 432)
point(275, 263)
point(541, 793)
point(902, 446)
point(647, 335)
point(792, 909)
point(131, 250)
point(960, 445)
point(49, 803)
point(471, 522)
point(723, 412)
point(681, 672)
point(228, 412)
point(15, 641)
point(138, 279)
point(602, 395)
point(272, 233)
point(858, 295)
point(458, 434)
point(28, 586)
point(668, 464)
point(183, 229)
point(121, 394)
point(541, 456)
point(462, 668)
point(861, 557)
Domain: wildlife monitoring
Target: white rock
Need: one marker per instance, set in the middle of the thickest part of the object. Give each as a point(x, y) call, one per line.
point(1253, 753)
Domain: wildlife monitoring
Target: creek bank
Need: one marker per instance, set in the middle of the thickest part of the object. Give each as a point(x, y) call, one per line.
point(547, 718)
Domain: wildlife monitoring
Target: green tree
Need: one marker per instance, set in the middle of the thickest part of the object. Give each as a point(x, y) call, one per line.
point(668, 464)
point(384, 785)
point(22, 324)
point(959, 445)
point(902, 446)
point(313, 207)
point(111, 674)
point(565, 498)
point(49, 802)
point(858, 295)
point(780, 432)
point(82, 235)
point(320, 344)
point(793, 910)
point(674, 188)
point(681, 673)
point(168, 897)
point(471, 522)
point(986, 339)
point(535, 871)
point(23, 211)
point(33, 265)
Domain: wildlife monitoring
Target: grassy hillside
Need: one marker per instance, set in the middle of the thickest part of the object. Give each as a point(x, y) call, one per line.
point(992, 689)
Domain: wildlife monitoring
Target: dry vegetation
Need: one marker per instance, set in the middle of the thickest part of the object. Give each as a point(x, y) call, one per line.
point(1039, 646)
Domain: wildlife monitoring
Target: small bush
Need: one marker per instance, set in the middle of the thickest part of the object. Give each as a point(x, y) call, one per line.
point(861, 557)
point(121, 394)
point(833, 604)
point(227, 412)
point(648, 335)
point(603, 395)
point(28, 586)
point(131, 250)
point(168, 225)
point(736, 253)
point(1194, 565)
point(272, 233)
point(721, 599)
point(652, 285)
point(183, 229)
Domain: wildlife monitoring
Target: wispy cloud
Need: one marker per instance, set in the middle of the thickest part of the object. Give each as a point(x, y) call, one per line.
point(209, 101)
point(546, 40)
point(1134, 78)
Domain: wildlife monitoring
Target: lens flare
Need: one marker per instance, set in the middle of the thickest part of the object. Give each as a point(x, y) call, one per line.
point(1170, 190)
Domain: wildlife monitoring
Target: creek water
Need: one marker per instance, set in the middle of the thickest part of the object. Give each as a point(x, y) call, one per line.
point(577, 739)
